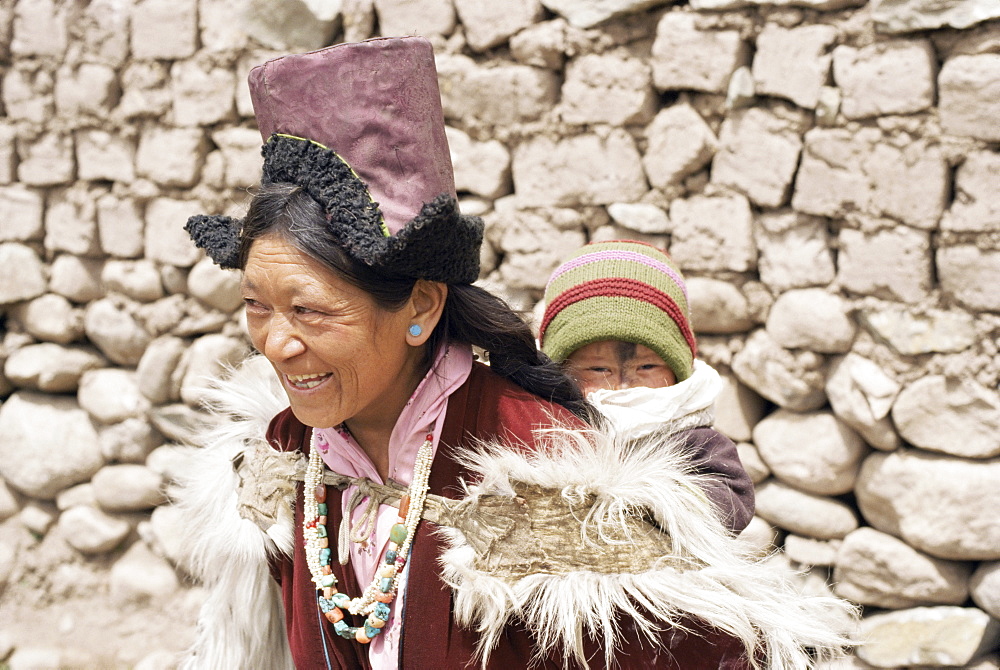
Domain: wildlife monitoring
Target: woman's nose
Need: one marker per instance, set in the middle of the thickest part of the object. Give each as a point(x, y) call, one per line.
point(282, 340)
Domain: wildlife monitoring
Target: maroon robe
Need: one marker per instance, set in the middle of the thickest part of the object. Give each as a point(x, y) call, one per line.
point(486, 407)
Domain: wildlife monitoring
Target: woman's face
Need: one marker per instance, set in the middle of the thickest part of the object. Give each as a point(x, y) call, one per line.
point(615, 365)
point(339, 355)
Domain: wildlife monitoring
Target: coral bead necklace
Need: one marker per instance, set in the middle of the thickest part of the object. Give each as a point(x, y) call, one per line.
point(375, 602)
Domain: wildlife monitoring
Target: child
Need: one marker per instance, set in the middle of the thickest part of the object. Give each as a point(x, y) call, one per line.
point(617, 318)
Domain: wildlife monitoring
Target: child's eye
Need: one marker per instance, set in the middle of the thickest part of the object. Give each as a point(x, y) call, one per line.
point(650, 366)
point(601, 370)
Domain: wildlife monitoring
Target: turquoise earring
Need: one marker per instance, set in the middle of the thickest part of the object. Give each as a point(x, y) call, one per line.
point(415, 330)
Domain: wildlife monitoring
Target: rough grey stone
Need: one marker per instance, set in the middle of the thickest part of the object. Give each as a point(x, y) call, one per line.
point(482, 168)
point(81, 494)
point(115, 332)
point(164, 29)
point(713, 233)
point(791, 379)
point(204, 361)
point(804, 513)
point(91, 531)
point(38, 517)
point(904, 16)
point(893, 263)
point(240, 149)
point(488, 24)
point(47, 160)
point(47, 443)
point(812, 318)
point(500, 96)
point(589, 13)
point(750, 458)
point(812, 552)
point(203, 93)
point(976, 207)
point(76, 278)
point(156, 368)
point(861, 394)
point(129, 441)
point(51, 367)
point(535, 242)
point(139, 280)
point(985, 587)
point(71, 222)
point(50, 318)
point(166, 239)
point(290, 26)
point(171, 156)
point(794, 251)
point(22, 276)
point(874, 568)
point(679, 143)
point(938, 504)
point(759, 538)
point(927, 636)
point(949, 415)
point(127, 488)
point(967, 273)
point(142, 576)
point(718, 306)
point(812, 451)
point(686, 57)
point(607, 88)
point(111, 395)
point(913, 334)
point(892, 77)
point(969, 96)
point(793, 63)
point(421, 17)
point(21, 211)
point(640, 217)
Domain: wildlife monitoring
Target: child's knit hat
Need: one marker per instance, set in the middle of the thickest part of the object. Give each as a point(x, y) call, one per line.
point(620, 290)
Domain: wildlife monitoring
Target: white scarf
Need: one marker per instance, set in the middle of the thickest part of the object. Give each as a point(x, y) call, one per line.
point(637, 412)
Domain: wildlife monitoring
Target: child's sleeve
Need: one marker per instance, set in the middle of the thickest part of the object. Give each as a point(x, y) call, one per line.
point(728, 486)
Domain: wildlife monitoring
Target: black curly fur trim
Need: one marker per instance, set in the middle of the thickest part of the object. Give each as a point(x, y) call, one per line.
point(438, 244)
point(219, 236)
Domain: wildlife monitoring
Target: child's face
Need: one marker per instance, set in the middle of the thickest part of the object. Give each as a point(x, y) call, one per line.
point(618, 365)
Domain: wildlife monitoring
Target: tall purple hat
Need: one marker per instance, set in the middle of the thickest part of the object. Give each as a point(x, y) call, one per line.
point(360, 128)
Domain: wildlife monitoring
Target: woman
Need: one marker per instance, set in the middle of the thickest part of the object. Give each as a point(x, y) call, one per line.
point(416, 514)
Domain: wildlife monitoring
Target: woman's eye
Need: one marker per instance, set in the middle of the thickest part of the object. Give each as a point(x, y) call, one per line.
point(253, 305)
point(306, 310)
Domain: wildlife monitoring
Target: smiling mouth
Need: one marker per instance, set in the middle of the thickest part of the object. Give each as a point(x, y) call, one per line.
point(306, 382)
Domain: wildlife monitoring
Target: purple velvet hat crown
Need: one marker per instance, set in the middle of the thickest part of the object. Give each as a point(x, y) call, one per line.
point(359, 127)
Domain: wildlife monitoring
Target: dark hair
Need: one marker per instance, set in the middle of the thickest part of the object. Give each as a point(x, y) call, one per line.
point(471, 314)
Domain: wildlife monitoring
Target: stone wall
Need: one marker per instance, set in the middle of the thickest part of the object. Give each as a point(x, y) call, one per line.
point(824, 171)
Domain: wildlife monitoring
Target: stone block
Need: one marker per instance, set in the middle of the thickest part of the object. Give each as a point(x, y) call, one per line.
point(222, 24)
point(202, 93)
point(119, 226)
point(499, 96)
point(802, 513)
point(811, 552)
point(985, 587)
point(420, 17)
point(128, 487)
point(41, 28)
point(718, 307)
point(46, 160)
point(164, 29)
point(534, 243)
point(758, 155)
point(22, 275)
point(713, 234)
point(969, 274)
point(861, 395)
point(976, 207)
point(145, 90)
point(587, 169)
point(917, 496)
point(49, 367)
point(76, 278)
point(607, 88)
point(790, 379)
point(894, 263)
point(949, 415)
point(129, 441)
point(115, 332)
point(874, 568)
point(300, 25)
point(589, 13)
point(242, 162)
point(542, 45)
point(27, 94)
point(793, 251)
point(641, 217)
point(89, 89)
point(205, 361)
point(894, 77)
point(750, 458)
point(8, 154)
point(156, 369)
point(103, 156)
point(488, 24)
point(812, 318)
point(91, 531)
point(171, 156)
point(47, 443)
point(71, 222)
point(137, 279)
point(49, 318)
point(686, 57)
point(104, 31)
point(110, 396)
point(823, 5)
point(214, 286)
point(482, 168)
point(907, 16)
point(969, 96)
point(21, 212)
point(166, 239)
point(793, 63)
point(737, 411)
point(941, 636)
point(812, 451)
point(140, 576)
point(843, 172)
point(914, 334)
point(679, 143)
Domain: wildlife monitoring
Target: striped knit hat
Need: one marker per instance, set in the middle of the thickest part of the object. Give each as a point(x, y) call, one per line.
point(621, 290)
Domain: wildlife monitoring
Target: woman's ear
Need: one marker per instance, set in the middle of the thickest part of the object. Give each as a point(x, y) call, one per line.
point(426, 306)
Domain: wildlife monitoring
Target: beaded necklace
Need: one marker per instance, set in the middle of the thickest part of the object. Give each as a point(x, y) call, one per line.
point(375, 602)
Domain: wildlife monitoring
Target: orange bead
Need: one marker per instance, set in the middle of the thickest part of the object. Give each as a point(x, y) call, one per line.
point(361, 637)
point(321, 520)
point(384, 597)
point(320, 493)
point(328, 593)
point(327, 570)
point(334, 615)
point(404, 505)
point(323, 542)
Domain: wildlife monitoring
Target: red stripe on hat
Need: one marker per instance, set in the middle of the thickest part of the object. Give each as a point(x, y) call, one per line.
point(617, 287)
